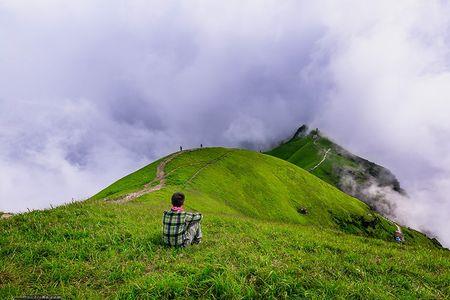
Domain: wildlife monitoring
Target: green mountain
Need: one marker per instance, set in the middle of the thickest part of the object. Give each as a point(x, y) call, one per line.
point(356, 176)
point(271, 230)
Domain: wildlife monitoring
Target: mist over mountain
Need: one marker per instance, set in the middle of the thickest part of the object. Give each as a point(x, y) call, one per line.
point(313, 151)
point(91, 91)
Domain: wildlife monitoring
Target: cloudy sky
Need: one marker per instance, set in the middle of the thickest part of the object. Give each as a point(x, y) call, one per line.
point(91, 90)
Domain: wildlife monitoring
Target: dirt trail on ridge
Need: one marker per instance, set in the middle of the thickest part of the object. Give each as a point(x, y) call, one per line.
point(148, 188)
point(321, 162)
point(161, 176)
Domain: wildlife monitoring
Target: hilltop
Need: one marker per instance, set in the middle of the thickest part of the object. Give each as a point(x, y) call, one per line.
point(271, 229)
point(253, 185)
point(354, 175)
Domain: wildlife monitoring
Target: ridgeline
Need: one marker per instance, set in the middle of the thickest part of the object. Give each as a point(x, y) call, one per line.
point(271, 230)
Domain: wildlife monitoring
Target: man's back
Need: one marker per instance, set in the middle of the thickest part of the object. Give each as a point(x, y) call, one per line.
point(175, 225)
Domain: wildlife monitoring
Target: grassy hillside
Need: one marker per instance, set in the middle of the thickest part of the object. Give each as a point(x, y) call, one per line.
point(256, 243)
point(354, 175)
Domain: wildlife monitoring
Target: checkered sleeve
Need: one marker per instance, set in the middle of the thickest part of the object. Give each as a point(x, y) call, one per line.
point(192, 217)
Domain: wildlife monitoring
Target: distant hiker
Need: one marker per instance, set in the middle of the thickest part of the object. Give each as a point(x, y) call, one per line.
point(201, 145)
point(181, 228)
point(181, 148)
point(398, 236)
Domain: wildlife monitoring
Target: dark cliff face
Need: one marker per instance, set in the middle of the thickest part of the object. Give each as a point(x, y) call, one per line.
point(352, 174)
point(301, 132)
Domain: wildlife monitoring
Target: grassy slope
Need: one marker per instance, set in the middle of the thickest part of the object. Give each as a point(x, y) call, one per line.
point(256, 244)
point(306, 153)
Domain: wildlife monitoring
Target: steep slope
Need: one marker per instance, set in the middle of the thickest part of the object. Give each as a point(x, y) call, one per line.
point(256, 243)
point(354, 175)
point(250, 184)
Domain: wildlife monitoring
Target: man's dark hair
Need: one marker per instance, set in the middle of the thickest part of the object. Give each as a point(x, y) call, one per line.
point(178, 199)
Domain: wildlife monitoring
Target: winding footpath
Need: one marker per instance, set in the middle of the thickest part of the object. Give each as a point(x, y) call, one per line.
point(161, 177)
point(321, 162)
point(148, 188)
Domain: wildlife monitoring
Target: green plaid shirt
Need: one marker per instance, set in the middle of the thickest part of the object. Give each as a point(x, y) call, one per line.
point(175, 224)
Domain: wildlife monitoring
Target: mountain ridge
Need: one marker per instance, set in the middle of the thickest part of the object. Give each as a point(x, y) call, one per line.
point(271, 230)
point(350, 173)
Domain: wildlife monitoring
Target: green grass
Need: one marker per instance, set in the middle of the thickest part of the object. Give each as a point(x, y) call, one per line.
point(130, 183)
point(256, 244)
point(306, 152)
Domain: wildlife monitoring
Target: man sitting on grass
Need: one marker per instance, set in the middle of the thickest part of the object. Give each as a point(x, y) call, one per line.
point(181, 228)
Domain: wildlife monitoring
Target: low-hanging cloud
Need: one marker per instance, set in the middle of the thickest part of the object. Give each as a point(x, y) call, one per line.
point(92, 90)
